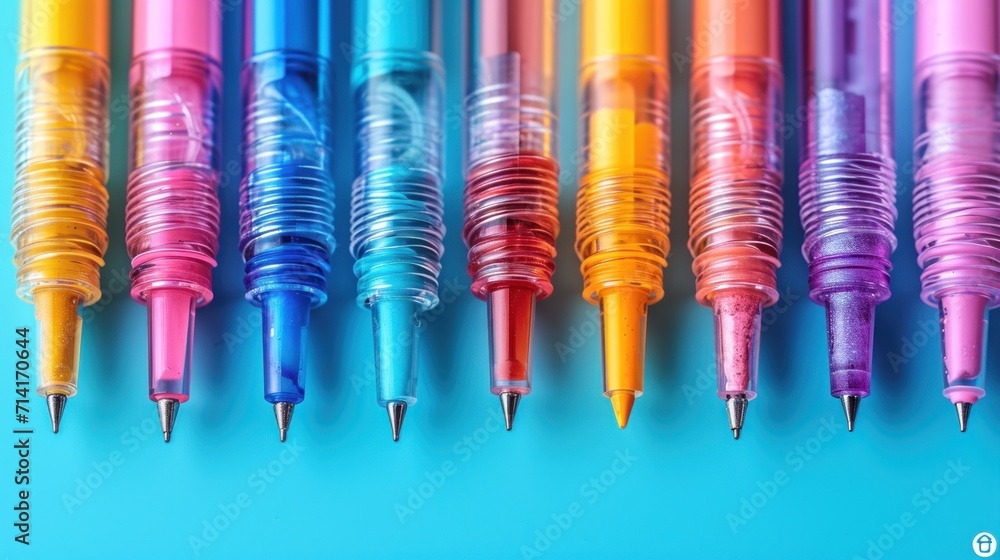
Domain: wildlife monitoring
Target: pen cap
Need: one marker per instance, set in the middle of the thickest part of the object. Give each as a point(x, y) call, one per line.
point(287, 25)
point(396, 25)
point(946, 28)
point(624, 28)
point(737, 28)
point(194, 25)
point(75, 24)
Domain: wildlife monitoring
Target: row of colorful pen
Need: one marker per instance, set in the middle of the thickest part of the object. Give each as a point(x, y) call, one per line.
point(846, 181)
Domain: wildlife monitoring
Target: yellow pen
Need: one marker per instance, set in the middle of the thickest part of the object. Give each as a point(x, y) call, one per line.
point(623, 205)
point(60, 204)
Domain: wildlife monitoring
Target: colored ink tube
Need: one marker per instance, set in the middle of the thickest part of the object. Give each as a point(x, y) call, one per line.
point(172, 206)
point(60, 204)
point(736, 204)
point(286, 199)
point(511, 180)
point(397, 224)
point(623, 203)
point(956, 198)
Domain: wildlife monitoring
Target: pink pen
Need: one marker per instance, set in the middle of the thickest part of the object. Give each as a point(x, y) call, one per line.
point(956, 201)
point(172, 207)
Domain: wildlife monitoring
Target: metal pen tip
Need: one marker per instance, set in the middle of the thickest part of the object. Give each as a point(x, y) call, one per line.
point(508, 401)
point(167, 409)
point(397, 410)
point(736, 408)
point(850, 403)
point(963, 409)
point(57, 403)
point(283, 415)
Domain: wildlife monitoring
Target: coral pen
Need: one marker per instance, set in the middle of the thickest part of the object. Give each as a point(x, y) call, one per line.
point(736, 205)
point(623, 204)
point(60, 204)
point(512, 183)
point(286, 198)
point(396, 206)
point(847, 181)
point(172, 207)
point(956, 199)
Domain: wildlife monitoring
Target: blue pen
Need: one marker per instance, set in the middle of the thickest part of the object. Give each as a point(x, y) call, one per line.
point(396, 207)
point(286, 199)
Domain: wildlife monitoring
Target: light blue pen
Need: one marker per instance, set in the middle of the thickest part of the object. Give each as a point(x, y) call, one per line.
point(396, 207)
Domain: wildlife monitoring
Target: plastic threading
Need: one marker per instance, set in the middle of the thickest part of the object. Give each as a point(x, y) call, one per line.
point(60, 204)
point(956, 198)
point(736, 204)
point(286, 199)
point(397, 227)
point(172, 207)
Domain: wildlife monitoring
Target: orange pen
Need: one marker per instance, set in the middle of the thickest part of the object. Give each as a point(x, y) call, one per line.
point(60, 205)
point(623, 205)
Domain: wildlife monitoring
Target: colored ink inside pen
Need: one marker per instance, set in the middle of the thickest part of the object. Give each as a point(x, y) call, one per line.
point(956, 198)
point(60, 204)
point(623, 204)
point(396, 207)
point(847, 181)
point(172, 206)
point(511, 183)
point(736, 205)
point(286, 199)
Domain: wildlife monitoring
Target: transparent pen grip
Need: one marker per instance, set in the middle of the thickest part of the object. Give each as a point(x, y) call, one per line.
point(287, 194)
point(60, 203)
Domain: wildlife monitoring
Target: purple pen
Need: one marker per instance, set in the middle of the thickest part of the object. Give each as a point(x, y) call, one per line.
point(847, 181)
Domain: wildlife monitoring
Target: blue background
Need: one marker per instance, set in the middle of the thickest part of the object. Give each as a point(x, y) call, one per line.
point(455, 485)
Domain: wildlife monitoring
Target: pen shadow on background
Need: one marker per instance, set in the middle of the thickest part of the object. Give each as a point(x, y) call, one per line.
point(104, 320)
point(332, 379)
point(666, 319)
point(225, 332)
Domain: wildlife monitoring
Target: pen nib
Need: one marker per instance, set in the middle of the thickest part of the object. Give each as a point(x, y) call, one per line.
point(397, 410)
point(57, 403)
point(167, 409)
point(508, 401)
point(736, 407)
point(622, 402)
point(963, 409)
point(850, 403)
point(283, 414)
